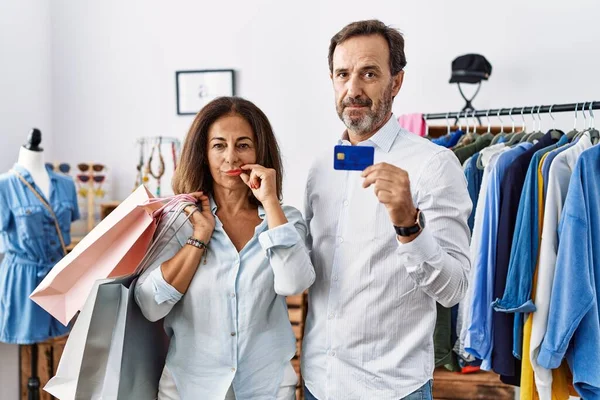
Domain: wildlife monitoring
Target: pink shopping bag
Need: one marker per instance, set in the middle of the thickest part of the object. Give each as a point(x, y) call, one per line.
point(113, 248)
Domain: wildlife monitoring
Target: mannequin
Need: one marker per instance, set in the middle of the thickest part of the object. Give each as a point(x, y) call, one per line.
point(37, 207)
point(31, 157)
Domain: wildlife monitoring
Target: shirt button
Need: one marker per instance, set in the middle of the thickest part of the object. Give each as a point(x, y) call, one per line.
point(232, 369)
point(331, 316)
point(341, 239)
point(332, 353)
point(232, 333)
point(232, 295)
point(346, 203)
point(335, 277)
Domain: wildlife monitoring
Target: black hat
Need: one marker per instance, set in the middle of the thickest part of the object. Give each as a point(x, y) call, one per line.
point(470, 68)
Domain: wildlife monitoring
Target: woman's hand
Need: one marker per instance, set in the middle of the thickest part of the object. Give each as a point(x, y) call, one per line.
point(262, 181)
point(202, 218)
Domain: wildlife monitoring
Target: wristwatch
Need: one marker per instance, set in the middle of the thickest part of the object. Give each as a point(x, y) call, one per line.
point(411, 230)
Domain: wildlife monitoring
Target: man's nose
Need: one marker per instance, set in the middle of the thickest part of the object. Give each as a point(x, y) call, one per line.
point(354, 87)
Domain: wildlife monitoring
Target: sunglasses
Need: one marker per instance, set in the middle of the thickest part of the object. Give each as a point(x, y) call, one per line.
point(86, 178)
point(62, 167)
point(83, 167)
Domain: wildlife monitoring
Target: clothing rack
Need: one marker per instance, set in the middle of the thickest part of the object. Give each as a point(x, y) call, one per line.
point(569, 107)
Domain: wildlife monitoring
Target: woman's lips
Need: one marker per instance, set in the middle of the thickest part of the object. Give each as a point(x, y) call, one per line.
point(234, 172)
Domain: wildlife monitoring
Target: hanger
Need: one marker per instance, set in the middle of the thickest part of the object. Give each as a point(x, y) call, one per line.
point(474, 123)
point(460, 128)
point(479, 163)
point(554, 133)
point(594, 134)
point(585, 127)
point(536, 134)
point(426, 125)
point(572, 133)
point(516, 136)
point(497, 136)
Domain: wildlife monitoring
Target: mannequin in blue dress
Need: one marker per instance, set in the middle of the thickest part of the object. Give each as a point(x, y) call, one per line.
point(31, 245)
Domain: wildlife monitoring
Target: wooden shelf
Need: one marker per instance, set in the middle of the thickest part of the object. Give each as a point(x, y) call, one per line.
point(479, 385)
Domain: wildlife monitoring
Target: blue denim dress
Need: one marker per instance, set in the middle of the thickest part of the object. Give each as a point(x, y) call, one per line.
point(31, 247)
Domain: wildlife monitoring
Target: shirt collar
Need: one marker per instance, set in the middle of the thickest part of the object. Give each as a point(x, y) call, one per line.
point(25, 173)
point(384, 138)
point(213, 208)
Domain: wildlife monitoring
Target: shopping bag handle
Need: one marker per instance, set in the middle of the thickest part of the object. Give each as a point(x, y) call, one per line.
point(170, 203)
point(153, 248)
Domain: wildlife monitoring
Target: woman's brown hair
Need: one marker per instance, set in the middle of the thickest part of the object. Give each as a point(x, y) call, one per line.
point(193, 174)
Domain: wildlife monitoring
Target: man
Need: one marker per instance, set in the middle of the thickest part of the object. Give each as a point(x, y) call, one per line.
point(380, 264)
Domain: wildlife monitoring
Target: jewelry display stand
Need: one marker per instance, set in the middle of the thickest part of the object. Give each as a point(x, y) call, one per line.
point(152, 163)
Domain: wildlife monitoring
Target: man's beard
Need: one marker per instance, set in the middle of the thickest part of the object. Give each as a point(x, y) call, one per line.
point(369, 120)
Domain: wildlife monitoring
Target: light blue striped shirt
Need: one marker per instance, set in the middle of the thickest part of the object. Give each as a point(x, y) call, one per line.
point(372, 309)
point(231, 328)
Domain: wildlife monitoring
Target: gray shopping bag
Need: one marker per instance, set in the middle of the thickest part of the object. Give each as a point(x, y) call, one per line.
point(113, 351)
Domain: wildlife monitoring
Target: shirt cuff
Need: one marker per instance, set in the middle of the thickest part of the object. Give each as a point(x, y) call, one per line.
point(284, 235)
point(501, 305)
point(549, 359)
point(423, 248)
point(163, 291)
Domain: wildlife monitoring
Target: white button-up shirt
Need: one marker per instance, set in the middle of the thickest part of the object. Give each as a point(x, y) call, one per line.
point(231, 328)
point(372, 312)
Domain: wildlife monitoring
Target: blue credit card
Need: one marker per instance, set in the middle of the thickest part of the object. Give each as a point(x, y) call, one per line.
point(353, 158)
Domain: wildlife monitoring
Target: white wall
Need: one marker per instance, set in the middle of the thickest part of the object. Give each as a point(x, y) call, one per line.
point(25, 76)
point(25, 86)
point(114, 65)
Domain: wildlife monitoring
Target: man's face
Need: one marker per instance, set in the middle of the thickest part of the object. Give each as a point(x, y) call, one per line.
point(363, 84)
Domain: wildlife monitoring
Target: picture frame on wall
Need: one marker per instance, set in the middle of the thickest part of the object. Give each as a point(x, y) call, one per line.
point(194, 89)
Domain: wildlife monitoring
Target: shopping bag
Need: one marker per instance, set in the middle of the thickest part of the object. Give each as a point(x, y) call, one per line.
point(113, 351)
point(113, 248)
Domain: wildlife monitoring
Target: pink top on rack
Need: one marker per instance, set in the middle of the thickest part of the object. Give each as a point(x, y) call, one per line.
point(413, 123)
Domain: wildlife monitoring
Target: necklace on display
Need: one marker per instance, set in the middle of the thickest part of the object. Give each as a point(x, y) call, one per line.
point(174, 153)
point(161, 165)
point(139, 178)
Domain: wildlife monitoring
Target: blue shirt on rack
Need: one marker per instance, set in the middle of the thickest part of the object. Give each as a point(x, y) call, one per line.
point(503, 360)
point(449, 140)
point(31, 247)
point(574, 319)
point(474, 177)
point(480, 335)
point(523, 254)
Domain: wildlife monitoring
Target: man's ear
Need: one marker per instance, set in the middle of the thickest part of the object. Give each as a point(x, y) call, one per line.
point(397, 83)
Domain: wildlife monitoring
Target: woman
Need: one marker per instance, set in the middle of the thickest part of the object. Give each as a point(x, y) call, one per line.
point(220, 282)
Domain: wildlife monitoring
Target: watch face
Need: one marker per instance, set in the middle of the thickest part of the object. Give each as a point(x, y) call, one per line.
point(421, 219)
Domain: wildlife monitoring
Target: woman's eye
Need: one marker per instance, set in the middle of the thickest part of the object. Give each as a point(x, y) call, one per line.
point(244, 146)
point(218, 146)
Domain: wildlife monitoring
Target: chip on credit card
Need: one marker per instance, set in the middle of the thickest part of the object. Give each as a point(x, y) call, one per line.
point(353, 158)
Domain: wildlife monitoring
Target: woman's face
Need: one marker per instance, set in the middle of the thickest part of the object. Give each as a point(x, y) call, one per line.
point(231, 144)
